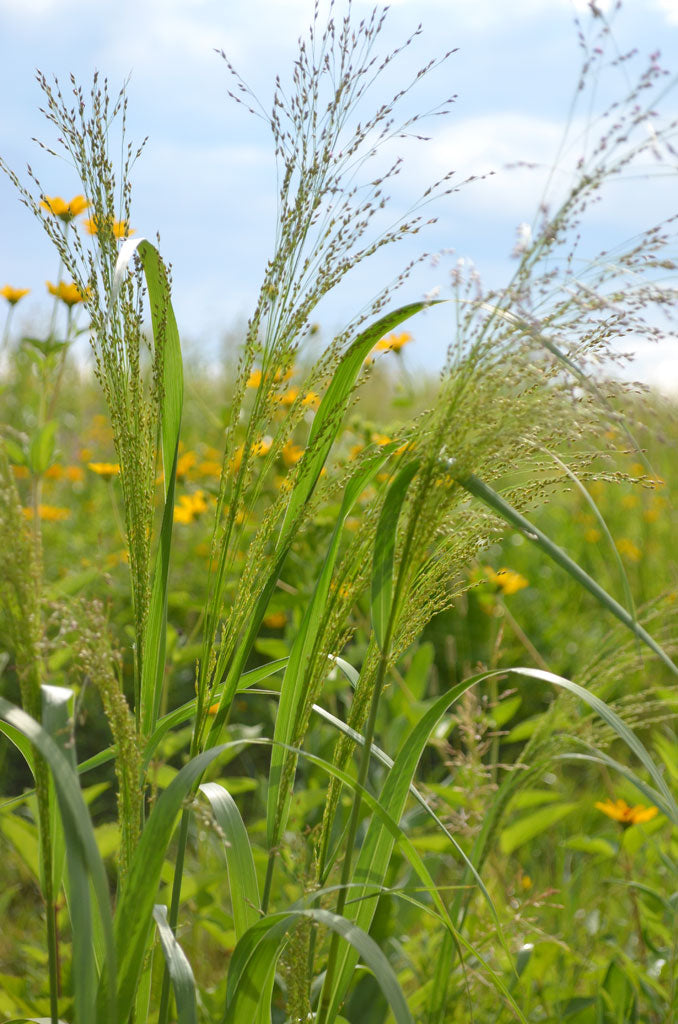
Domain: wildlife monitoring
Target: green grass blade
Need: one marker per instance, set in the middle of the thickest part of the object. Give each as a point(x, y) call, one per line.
point(384, 552)
point(166, 335)
point(133, 916)
point(57, 706)
point(327, 420)
point(377, 847)
point(242, 877)
point(326, 426)
point(84, 863)
point(480, 490)
point(295, 681)
point(179, 969)
point(259, 949)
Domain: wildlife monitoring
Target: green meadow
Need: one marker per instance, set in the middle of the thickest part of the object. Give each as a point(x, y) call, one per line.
point(331, 691)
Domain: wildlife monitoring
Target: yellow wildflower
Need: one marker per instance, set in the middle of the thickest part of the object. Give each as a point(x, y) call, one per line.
point(74, 474)
point(208, 467)
point(20, 472)
point(13, 295)
point(311, 400)
point(185, 463)
point(393, 342)
point(275, 620)
point(381, 439)
point(54, 472)
point(189, 507)
point(508, 581)
point(118, 228)
point(291, 453)
point(592, 536)
point(262, 446)
point(254, 379)
point(525, 882)
point(105, 469)
point(50, 513)
point(65, 211)
point(628, 548)
point(289, 397)
point(620, 811)
point(68, 293)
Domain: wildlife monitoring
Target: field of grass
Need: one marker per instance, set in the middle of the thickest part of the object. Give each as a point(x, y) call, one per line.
point(326, 693)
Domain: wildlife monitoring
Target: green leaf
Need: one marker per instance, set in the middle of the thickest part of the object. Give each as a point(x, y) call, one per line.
point(326, 425)
point(84, 863)
point(384, 551)
point(242, 876)
point(179, 969)
point(133, 916)
point(260, 947)
point(166, 336)
point(294, 689)
point(41, 447)
point(480, 490)
point(532, 825)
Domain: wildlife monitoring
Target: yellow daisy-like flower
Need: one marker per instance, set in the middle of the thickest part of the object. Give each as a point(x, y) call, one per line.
point(105, 469)
point(275, 620)
point(289, 397)
point(13, 295)
point(119, 228)
point(50, 513)
point(185, 464)
point(189, 507)
point(291, 453)
point(209, 467)
point(393, 342)
point(620, 811)
point(68, 293)
point(628, 548)
point(508, 581)
point(262, 446)
point(74, 474)
point(311, 400)
point(254, 379)
point(62, 209)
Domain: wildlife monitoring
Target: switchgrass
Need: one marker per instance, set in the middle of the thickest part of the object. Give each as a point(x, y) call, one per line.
point(514, 419)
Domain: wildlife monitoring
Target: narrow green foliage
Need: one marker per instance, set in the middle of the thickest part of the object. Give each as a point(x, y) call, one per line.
point(179, 969)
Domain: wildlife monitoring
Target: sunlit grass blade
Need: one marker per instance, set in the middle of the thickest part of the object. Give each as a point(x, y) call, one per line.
point(242, 876)
point(295, 683)
point(261, 946)
point(133, 915)
point(486, 494)
point(166, 336)
point(84, 864)
point(179, 969)
point(384, 551)
point(335, 401)
point(323, 433)
point(376, 849)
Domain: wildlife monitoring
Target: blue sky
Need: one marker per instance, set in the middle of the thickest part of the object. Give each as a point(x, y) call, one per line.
point(206, 181)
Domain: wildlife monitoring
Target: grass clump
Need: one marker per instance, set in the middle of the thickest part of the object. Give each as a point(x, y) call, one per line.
point(306, 639)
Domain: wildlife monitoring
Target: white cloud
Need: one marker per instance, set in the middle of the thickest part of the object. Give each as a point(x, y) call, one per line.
point(669, 8)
